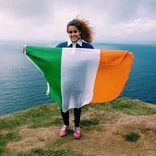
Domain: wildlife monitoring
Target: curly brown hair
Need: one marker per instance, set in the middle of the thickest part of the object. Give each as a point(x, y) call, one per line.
point(83, 26)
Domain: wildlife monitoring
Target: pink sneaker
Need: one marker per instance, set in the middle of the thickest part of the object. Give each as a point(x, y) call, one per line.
point(77, 134)
point(63, 131)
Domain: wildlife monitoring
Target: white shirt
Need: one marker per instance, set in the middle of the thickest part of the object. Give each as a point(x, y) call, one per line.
point(74, 43)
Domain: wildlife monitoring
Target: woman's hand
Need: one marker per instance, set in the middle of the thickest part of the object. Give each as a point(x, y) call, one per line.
point(24, 49)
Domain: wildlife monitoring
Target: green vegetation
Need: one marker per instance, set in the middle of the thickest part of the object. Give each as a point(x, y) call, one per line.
point(47, 114)
point(4, 138)
point(89, 122)
point(39, 116)
point(56, 144)
point(132, 137)
point(40, 152)
point(95, 118)
point(127, 106)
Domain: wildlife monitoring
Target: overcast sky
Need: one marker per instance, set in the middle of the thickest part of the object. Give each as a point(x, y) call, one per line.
point(112, 20)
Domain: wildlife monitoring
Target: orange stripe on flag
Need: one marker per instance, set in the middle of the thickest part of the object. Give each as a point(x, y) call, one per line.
point(112, 74)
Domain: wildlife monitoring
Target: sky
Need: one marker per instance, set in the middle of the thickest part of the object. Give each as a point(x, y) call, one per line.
point(112, 20)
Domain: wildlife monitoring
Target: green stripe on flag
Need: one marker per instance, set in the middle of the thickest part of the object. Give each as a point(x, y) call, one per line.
point(42, 57)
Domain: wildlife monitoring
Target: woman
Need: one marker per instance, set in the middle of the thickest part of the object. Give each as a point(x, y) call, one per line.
point(80, 36)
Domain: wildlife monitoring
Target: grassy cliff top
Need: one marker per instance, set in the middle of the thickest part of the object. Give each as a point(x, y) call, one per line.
point(120, 127)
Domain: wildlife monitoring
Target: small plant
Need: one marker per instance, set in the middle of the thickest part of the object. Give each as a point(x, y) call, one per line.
point(132, 137)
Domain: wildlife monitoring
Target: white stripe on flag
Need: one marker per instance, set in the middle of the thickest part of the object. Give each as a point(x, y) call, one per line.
point(78, 76)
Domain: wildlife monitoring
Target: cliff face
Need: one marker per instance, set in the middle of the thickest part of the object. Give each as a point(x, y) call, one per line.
point(120, 127)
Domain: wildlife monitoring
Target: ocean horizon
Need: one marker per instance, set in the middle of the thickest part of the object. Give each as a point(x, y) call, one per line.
point(23, 86)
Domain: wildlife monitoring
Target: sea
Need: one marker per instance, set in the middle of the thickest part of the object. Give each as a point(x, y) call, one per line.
point(23, 86)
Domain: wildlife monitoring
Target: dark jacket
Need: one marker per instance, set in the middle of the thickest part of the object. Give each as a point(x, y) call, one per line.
point(84, 45)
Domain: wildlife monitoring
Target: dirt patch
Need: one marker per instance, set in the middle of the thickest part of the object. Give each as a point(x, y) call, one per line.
point(33, 138)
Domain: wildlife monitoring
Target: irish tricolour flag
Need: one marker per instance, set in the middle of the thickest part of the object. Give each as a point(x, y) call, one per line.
point(78, 76)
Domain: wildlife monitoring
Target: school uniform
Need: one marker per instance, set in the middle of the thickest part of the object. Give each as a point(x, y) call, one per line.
point(79, 44)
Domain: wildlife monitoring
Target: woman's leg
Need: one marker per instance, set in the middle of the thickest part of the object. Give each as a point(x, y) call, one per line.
point(77, 115)
point(65, 117)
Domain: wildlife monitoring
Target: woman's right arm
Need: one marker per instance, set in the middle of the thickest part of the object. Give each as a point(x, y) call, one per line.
point(59, 45)
point(62, 45)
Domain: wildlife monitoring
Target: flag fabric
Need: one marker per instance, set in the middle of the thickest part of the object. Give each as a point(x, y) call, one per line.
point(78, 76)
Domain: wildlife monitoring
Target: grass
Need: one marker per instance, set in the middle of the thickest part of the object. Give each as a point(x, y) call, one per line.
point(132, 137)
point(5, 138)
point(60, 141)
point(36, 123)
point(41, 152)
point(89, 122)
point(47, 115)
point(39, 116)
point(127, 106)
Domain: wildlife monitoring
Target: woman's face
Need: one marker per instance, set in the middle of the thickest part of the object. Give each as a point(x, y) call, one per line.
point(73, 33)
